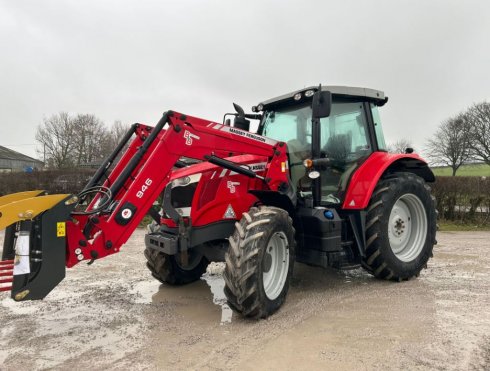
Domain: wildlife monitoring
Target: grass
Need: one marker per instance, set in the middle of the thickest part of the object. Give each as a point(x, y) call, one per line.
point(464, 170)
point(448, 226)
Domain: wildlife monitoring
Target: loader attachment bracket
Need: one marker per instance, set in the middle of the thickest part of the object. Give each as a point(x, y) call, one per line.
point(47, 253)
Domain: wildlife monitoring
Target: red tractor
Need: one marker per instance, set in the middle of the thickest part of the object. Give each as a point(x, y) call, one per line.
point(314, 184)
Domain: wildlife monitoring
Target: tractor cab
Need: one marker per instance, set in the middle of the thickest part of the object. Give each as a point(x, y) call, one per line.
point(347, 136)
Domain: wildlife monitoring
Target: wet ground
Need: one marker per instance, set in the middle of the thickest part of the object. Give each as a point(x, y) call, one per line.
point(114, 315)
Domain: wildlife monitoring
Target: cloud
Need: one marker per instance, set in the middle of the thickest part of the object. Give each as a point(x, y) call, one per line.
point(132, 60)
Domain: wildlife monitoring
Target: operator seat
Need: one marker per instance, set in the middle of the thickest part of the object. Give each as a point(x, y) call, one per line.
point(338, 147)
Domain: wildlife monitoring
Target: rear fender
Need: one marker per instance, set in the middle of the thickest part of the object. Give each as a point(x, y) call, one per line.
point(379, 164)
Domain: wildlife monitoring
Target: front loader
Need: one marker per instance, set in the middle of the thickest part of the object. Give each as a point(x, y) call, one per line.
point(314, 184)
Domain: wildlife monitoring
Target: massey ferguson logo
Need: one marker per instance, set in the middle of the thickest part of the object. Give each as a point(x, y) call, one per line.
point(231, 185)
point(189, 136)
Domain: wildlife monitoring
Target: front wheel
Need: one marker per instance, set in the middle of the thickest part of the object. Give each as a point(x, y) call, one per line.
point(400, 227)
point(172, 270)
point(259, 262)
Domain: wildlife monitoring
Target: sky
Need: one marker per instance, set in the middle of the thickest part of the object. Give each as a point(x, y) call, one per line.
point(133, 60)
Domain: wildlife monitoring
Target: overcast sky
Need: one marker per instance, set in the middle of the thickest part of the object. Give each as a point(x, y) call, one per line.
point(132, 60)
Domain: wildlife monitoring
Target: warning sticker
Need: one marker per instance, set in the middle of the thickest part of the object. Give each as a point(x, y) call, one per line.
point(60, 229)
point(229, 213)
point(22, 263)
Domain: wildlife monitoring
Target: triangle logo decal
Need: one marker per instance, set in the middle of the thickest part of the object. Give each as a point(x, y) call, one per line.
point(229, 213)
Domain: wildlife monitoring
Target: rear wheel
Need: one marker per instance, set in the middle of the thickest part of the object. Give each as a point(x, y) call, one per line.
point(259, 262)
point(400, 227)
point(172, 270)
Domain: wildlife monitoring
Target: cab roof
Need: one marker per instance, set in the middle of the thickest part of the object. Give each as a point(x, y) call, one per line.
point(376, 96)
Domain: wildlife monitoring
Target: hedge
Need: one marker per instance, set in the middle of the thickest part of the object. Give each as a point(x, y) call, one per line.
point(459, 199)
point(53, 181)
point(463, 199)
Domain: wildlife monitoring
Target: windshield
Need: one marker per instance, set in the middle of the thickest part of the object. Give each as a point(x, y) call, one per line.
point(288, 124)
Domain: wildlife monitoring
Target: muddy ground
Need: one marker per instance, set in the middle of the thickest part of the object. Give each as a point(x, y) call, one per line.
point(114, 315)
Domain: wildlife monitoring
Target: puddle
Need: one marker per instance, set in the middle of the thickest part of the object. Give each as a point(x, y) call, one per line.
point(201, 302)
point(217, 285)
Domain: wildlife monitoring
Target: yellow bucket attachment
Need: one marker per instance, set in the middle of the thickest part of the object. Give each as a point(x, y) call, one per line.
point(25, 206)
point(19, 196)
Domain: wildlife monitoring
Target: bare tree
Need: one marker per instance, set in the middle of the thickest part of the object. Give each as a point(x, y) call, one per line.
point(399, 146)
point(91, 134)
point(450, 145)
point(114, 135)
point(477, 119)
point(57, 136)
point(72, 141)
point(118, 130)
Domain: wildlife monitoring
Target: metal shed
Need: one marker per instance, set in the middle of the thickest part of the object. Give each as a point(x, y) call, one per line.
point(11, 160)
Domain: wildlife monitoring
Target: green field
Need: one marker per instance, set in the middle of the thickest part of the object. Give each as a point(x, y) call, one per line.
point(465, 170)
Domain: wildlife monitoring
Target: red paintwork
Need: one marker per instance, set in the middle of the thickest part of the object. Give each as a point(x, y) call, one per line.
point(207, 206)
point(189, 137)
point(364, 180)
point(6, 270)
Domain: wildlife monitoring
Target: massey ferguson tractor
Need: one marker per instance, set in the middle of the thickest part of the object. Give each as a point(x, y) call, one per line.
point(313, 184)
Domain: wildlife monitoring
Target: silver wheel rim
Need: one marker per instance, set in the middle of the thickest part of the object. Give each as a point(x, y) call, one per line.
point(407, 228)
point(275, 265)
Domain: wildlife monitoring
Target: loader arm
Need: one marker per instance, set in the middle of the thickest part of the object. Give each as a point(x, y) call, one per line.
point(141, 178)
point(127, 192)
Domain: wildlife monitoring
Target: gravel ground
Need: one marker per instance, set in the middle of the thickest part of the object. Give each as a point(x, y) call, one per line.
point(114, 315)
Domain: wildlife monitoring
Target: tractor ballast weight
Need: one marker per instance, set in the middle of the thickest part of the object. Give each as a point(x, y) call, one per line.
point(313, 185)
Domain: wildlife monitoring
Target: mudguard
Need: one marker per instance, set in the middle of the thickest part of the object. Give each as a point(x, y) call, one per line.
point(365, 178)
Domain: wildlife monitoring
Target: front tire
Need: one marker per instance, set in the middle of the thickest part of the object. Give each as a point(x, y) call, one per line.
point(169, 268)
point(400, 227)
point(259, 262)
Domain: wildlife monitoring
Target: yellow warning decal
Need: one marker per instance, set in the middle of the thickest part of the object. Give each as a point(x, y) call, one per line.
point(283, 167)
point(60, 229)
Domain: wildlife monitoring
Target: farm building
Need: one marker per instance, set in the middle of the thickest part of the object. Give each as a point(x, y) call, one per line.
point(14, 161)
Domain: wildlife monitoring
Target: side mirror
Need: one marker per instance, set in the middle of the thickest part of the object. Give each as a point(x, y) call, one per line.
point(321, 104)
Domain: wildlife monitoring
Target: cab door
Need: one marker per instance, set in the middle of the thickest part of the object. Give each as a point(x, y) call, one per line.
point(346, 141)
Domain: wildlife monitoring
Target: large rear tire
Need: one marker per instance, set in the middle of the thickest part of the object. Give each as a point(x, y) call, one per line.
point(259, 262)
point(169, 269)
point(400, 227)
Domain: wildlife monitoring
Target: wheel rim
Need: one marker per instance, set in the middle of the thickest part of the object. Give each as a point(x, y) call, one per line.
point(407, 229)
point(193, 260)
point(275, 265)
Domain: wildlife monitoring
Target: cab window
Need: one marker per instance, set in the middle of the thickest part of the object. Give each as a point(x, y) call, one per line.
point(344, 140)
